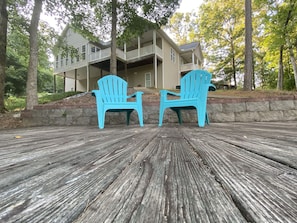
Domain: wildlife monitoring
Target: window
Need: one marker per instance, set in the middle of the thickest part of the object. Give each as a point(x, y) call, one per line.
point(95, 49)
point(61, 61)
point(172, 55)
point(148, 80)
point(77, 54)
point(83, 52)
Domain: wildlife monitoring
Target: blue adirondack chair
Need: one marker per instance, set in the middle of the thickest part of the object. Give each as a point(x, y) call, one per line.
point(193, 95)
point(112, 97)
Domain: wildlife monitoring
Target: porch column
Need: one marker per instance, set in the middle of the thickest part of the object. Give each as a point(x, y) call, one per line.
point(88, 78)
point(155, 58)
point(125, 51)
point(156, 70)
point(138, 46)
point(75, 78)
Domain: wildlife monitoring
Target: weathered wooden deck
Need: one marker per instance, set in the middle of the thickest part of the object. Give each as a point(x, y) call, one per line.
point(227, 172)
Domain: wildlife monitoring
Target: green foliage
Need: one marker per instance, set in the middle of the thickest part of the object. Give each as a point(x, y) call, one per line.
point(18, 53)
point(183, 27)
point(93, 17)
point(13, 103)
point(219, 26)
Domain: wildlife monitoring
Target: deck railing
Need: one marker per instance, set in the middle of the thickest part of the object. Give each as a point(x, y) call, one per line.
point(105, 54)
point(188, 66)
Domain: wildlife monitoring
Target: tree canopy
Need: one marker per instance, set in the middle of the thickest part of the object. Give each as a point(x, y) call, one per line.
point(220, 27)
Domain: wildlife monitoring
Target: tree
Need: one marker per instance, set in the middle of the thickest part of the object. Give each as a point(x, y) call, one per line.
point(18, 51)
point(183, 27)
point(113, 57)
point(3, 42)
point(221, 28)
point(31, 89)
point(278, 22)
point(248, 68)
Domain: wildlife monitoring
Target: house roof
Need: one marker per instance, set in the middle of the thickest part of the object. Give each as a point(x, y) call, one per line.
point(189, 46)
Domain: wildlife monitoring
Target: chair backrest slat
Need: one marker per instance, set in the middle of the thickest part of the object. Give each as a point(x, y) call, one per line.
point(195, 84)
point(114, 88)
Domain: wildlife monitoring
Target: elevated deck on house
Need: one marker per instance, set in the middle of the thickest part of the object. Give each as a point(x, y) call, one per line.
point(225, 172)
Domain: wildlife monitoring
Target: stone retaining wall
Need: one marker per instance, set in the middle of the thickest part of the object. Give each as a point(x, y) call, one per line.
point(219, 110)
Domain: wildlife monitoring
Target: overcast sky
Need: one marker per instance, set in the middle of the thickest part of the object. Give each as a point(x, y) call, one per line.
point(189, 5)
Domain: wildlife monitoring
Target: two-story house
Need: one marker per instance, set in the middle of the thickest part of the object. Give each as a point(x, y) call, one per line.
point(151, 60)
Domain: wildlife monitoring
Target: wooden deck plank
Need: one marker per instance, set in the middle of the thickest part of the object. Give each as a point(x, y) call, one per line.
point(263, 189)
point(277, 141)
point(225, 172)
point(62, 183)
point(167, 182)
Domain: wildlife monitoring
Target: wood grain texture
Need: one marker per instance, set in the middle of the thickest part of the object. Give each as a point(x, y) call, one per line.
point(227, 172)
point(245, 158)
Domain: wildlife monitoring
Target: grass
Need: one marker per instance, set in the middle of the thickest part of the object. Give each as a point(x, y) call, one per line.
point(13, 103)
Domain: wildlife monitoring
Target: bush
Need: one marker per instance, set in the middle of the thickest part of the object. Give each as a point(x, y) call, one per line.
point(13, 103)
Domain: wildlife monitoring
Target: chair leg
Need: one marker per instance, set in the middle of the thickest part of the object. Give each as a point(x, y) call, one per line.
point(161, 114)
point(128, 116)
point(201, 111)
point(206, 119)
point(140, 115)
point(101, 118)
point(178, 112)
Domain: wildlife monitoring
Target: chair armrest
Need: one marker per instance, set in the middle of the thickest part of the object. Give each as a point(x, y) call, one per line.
point(212, 87)
point(95, 93)
point(137, 94)
point(166, 92)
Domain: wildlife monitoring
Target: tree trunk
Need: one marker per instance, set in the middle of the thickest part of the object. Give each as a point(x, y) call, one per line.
point(280, 79)
point(113, 56)
point(234, 71)
point(3, 43)
point(248, 68)
point(293, 61)
point(31, 90)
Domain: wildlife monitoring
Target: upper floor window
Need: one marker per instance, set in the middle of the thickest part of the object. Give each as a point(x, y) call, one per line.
point(172, 55)
point(83, 52)
point(77, 56)
point(95, 49)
